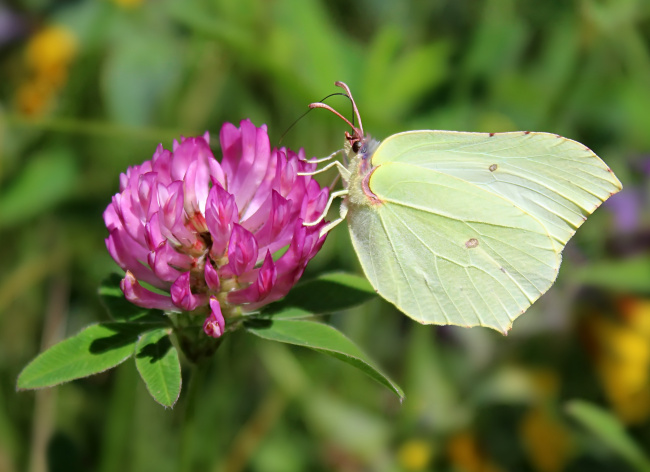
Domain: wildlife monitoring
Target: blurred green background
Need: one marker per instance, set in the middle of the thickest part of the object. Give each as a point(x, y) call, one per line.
point(89, 87)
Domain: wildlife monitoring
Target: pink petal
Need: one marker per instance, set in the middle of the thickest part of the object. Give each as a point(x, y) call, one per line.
point(211, 276)
point(263, 190)
point(230, 138)
point(266, 277)
point(277, 230)
point(242, 252)
point(286, 174)
point(182, 295)
point(220, 215)
point(129, 255)
point(173, 217)
point(162, 160)
point(256, 153)
point(196, 162)
point(130, 214)
point(190, 202)
point(214, 325)
point(314, 204)
point(147, 194)
point(138, 295)
point(152, 234)
point(111, 218)
point(167, 263)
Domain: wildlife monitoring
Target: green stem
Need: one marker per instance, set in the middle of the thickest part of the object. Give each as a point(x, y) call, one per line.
point(116, 439)
point(188, 434)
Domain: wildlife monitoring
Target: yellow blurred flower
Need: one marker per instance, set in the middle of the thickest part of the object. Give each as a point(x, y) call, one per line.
point(50, 53)
point(415, 454)
point(547, 441)
point(636, 311)
point(466, 455)
point(48, 56)
point(622, 359)
point(546, 383)
point(32, 97)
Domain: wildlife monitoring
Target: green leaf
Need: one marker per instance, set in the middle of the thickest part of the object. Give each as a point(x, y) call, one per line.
point(322, 338)
point(325, 294)
point(95, 349)
point(157, 361)
point(608, 428)
point(120, 309)
point(631, 275)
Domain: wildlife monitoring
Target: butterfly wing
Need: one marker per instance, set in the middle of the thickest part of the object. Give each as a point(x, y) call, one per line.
point(472, 225)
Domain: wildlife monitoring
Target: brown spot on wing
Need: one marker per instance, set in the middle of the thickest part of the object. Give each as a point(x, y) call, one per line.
point(471, 243)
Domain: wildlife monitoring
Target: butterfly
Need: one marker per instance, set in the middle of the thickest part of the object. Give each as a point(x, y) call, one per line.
point(461, 228)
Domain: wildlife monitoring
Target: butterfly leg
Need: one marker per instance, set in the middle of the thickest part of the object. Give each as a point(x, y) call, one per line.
point(345, 174)
point(339, 193)
point(343, 210)
point(323, 159)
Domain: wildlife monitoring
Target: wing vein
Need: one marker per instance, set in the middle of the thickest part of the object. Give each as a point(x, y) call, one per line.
point(401, 268)
point(435, 258)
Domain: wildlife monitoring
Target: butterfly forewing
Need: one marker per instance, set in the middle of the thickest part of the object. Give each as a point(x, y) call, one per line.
point(554, 179)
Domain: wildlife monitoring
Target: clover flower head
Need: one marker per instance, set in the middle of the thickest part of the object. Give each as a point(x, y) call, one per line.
point(210, 235)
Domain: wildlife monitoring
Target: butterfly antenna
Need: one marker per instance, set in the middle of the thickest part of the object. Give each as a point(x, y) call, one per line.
point(345, 87)
point(303, 115)
point(329, 108)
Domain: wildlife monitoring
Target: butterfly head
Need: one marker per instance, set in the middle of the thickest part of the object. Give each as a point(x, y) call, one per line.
point(358, 151)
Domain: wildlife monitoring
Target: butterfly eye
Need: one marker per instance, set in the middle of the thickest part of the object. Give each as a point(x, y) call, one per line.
point(356, 146)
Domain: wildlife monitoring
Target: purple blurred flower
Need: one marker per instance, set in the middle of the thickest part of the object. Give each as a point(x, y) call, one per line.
point(12, 25)
point(205, 232)
point(627, 207)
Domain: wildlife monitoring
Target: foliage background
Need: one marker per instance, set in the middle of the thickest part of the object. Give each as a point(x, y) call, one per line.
point(89, 87)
